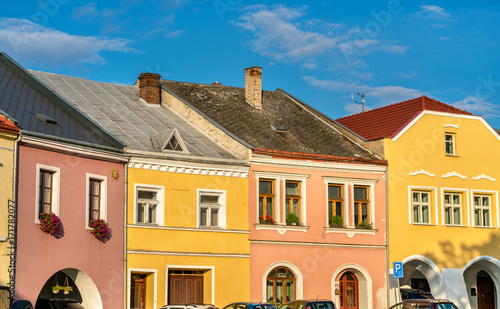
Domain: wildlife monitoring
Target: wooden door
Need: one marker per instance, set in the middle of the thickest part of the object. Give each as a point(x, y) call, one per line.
point(138, 292)
point(485, 291)
point(349, 298)
point(185, 289)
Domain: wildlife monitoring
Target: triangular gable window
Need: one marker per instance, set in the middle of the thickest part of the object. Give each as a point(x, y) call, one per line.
point(169, 140)
point(173, 144)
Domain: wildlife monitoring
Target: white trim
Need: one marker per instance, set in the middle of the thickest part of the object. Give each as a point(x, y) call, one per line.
point(222, 210)
point(422, 172)
point(103, 213)
point(454, 190)
point(350, 232)
point(142, 270)
point(190, 168)
point(450, 125)
point(483, 176)
point(454, 174)
point(365, 301)
point(281, 227)
point(140, 226)
point(299, 279)
point(410, 203)
point(179, 140)
point(160, 211)
point(195, 267)
point(485, 192)
point(172, 253)
point(431, 273)
point(459, 116)
point(56, 189)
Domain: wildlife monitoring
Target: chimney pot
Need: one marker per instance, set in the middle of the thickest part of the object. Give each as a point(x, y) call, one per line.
point(253, 86)
point(149, 88)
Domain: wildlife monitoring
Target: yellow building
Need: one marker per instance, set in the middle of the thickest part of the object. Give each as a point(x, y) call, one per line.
point(442, 198)
point(8, 134)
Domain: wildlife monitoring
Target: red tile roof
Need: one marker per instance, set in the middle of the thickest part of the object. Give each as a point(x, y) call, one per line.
point(8, 126)
point(387, 121)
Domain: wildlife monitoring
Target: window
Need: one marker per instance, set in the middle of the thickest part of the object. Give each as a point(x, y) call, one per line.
point(280, 285)
point(361, 203)
point(335, 201)
point(450, 143)
point(266, 198)
point(482, 210)
point(452, 208)
point(94, 199)
point(45, 194)
point(421, 206)
point(149, 204)
point(48, 188)
point(292, 192)
point(211, 208)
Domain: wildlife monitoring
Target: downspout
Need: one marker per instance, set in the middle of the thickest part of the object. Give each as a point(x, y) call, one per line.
point(13, 253)
point(388, 275)
point(125, 282)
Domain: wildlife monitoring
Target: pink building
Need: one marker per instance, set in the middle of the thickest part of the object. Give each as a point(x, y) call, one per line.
point(317, 206)
point(68, 166)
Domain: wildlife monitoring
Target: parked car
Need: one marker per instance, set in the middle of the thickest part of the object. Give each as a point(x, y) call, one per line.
point(250, 305)
point(425, 304)
point(309, 304)
point(190, 306)
point(414, 294)
point(58, 303)
point(6, 300)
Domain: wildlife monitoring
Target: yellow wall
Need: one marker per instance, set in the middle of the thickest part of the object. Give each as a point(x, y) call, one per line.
point(422, 147)
point(6, 180)
point(180, 235)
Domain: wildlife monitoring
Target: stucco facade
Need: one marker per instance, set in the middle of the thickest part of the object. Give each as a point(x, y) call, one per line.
point(94, 268)
point(175, 246)
point(443, 207)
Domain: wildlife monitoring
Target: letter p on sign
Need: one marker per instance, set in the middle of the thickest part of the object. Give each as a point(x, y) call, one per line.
point(398, 269)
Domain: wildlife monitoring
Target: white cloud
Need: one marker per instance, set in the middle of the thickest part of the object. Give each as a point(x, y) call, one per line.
point(475, 106)
point(31, 43)
point(395, 49)
point(384, 95)
point(87, 11)
point(433, 11)
point(173, 34)
point(310, 64)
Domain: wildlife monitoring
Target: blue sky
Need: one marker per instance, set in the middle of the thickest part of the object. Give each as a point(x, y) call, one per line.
point(321, 52)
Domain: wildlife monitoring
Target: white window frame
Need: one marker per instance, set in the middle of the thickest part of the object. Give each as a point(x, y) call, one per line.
point(349, 184)
point(103, 207)
point(462, 209)
point(160, 209)
point(493, 199)
point(280, 196)
point(222, 209)
point(453, 143)
point(431, 190)
point(56, 189)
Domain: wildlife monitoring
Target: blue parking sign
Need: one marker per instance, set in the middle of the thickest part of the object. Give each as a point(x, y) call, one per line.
point(398, 269)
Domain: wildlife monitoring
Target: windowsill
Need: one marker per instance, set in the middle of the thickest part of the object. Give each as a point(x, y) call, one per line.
point(483, 227)
point(453, 225)
point(423, 224)
point(210, 228)
point(281, 227)
point(452, 155)
point(350, 231)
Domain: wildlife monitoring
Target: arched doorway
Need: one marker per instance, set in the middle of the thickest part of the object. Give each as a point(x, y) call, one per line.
point(363, 294)
point(349, 296)
point(280, 285)
point(485, 291)
point(423, 274)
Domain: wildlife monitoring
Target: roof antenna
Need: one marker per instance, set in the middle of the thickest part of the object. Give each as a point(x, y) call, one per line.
point(362, 100)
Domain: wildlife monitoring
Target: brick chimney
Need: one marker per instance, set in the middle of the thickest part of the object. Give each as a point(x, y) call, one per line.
point(149, 88)
point(253, 86)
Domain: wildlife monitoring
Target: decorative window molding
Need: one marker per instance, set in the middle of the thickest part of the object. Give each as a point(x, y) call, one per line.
point(156, 195)
point(450, 125)
point(422, 171)
point(350, 232)
point(55, 189)
point(493, 199)
point(462, 193)
point(103, 198)
point(450, 144)
point(282, 228)
point(454, 174)
point(483, 176)
point(211, 205)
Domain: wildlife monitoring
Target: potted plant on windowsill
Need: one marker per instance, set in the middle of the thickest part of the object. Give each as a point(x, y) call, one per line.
point(336, 221)
point(292, 219)
point(49, 223)
point(266, 220)
point(364, 225)
point(100, 229)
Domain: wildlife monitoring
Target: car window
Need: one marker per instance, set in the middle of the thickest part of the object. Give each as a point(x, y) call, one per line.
point(409, 306)
point(424, 306)
point(241, 306)
point(398, 306)
point(229, 307)
point(322, 305)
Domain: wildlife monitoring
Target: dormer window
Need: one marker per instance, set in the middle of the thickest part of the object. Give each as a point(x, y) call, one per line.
point(450, 144)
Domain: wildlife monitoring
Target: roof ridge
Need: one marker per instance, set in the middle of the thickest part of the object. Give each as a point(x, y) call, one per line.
point(76, 77)
point(204, 84)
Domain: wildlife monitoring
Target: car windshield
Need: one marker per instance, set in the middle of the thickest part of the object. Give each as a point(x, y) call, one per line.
point(322, 305)
point(445, 306)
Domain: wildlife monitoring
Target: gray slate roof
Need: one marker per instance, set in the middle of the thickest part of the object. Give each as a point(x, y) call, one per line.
point(29, 102)
point(305, 132)
point(119, 109)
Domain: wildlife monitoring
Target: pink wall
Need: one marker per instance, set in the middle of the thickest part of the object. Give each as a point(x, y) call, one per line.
point(40, 255)
point(317, 263)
